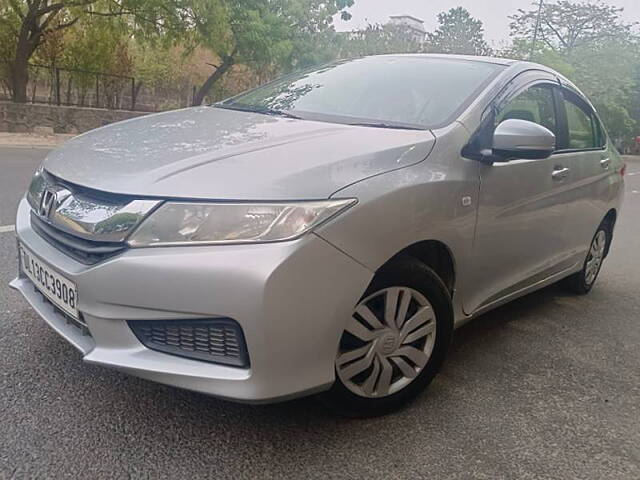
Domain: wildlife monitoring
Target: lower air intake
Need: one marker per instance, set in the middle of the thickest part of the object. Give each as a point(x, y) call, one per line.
point(214, 340)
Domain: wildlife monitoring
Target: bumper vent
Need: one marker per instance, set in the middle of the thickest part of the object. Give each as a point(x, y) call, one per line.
point(215, 340)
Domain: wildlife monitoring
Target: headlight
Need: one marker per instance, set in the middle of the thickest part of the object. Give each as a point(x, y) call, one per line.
point(187, 223)
point(36, 188)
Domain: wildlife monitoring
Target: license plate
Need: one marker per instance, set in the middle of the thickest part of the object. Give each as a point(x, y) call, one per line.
point(57, 288)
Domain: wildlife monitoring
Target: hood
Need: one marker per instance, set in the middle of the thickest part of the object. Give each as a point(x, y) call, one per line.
point(213, 153)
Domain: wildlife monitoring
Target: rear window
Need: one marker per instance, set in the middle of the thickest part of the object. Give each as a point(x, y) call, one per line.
point(411, 92)
point(582, 134)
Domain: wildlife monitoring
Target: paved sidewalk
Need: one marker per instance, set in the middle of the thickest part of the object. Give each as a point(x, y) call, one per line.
point(32, 140)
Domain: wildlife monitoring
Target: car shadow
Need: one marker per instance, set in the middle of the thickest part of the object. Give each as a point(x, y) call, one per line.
point(485, 325)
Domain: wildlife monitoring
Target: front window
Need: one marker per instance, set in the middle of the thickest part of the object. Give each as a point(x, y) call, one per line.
point(387, 91)
point(535, 105)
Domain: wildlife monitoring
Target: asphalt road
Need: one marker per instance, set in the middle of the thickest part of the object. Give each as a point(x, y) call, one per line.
point(546, 387)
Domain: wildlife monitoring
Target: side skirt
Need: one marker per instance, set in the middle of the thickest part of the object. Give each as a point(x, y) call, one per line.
point(520, 293)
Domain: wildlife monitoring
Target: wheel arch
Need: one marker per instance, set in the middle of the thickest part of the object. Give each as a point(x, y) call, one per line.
point(434, 254)
point(610, 220)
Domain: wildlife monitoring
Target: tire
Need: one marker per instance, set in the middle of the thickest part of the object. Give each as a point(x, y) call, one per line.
point(583, 281)
point(400, 349)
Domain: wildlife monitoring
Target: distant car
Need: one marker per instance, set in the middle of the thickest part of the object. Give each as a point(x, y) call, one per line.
point(325, 232)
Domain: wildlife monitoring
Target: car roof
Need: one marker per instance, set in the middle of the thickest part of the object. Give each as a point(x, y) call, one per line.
point(471, 58)
point(514, 67)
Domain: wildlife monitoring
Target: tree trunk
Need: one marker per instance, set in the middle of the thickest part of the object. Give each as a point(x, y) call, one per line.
point(19, 78)
point(25, 47)
point(227, 63)
point(69, 90)
point(136, 90)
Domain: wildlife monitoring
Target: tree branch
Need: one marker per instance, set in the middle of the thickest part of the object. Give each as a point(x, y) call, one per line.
point(62, 26)
point(61, 5)
point(121, 12)
point(109, 14)
point(45, 23)
point(557, 34)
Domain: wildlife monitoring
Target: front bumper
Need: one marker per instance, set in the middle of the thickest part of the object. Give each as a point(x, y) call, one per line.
point(292, 300)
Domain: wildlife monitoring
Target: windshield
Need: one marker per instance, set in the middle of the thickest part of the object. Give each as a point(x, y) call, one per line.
point(385, 91)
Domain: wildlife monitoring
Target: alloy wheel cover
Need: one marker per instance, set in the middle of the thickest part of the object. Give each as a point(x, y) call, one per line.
point(387, 342)
point(595, 257)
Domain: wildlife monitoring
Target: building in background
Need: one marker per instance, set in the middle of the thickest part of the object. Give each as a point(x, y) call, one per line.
point(413, 25)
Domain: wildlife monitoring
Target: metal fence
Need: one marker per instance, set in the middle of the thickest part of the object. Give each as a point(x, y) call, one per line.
point(83, 88)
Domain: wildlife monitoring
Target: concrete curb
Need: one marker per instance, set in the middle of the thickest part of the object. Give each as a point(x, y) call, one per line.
point(26, 140)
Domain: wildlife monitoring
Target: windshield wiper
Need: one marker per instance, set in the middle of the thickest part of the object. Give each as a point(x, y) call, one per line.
point(386, 125)
point(261, 110)
point(280, 113)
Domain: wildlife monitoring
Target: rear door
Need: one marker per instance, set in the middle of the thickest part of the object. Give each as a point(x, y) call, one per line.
point(583, 148)
point(520, 232)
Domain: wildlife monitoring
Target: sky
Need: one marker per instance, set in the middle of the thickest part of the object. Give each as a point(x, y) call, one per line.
point(493, 13)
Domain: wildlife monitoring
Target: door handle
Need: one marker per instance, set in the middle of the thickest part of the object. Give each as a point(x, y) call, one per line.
point(605, 163)
point(560, 173)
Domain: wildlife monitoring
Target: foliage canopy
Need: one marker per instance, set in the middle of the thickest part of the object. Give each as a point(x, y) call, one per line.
point(224, 46)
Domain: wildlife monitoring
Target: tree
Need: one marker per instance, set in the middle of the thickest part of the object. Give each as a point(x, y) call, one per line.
point(566, 25)
point(31, 21)
point(315, 40)
point(459, 33)
point(164, 75)
point(612, 94)
point(380, 39)
point(634, 107)
point(97, 44)
point(52, 48)
point(258, 33)
point(587, 42)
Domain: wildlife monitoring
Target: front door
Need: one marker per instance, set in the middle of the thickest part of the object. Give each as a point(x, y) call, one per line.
point(520, 231)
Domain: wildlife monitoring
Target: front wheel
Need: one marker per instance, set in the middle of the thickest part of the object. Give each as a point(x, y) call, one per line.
point(395, 341)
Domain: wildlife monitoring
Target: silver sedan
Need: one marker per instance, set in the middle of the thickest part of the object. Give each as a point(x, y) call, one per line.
point(325, 232)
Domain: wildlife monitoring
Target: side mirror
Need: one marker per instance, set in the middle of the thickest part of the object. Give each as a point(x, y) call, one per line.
point(521, 139)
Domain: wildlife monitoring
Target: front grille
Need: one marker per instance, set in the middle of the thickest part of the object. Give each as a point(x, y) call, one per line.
point(88, 225)
point(211, 340)
point(85, 251)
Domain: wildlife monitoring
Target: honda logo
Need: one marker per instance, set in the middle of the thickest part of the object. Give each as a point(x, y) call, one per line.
point(50, 200)
point(47, 202)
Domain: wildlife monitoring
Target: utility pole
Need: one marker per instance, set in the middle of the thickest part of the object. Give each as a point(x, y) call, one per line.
point(535, 33)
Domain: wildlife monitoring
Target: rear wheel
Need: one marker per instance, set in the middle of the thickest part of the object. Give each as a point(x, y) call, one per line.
point(395, 341)
point(582, 282)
